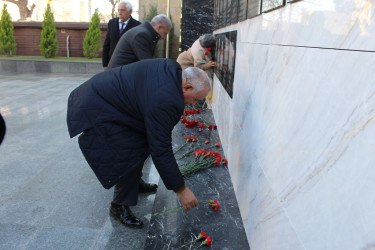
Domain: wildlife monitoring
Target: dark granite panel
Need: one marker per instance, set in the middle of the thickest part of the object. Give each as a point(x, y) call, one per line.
point(226, 57)
point(292, 1)
point(232, 12)
point(242, 10)
point(197, 19)
point(222, 13)
point(268, 5)
point(225, 227)
point(253, 8)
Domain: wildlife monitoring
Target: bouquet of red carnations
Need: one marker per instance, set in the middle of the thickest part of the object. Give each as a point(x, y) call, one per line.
point(203, 159)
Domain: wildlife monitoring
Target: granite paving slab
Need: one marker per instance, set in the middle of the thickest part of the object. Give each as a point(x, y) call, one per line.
point(49, 196)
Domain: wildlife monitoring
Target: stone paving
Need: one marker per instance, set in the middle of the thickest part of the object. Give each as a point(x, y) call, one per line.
point(49, 197)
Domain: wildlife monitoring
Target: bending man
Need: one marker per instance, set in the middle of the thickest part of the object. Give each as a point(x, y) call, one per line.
point(126, 114)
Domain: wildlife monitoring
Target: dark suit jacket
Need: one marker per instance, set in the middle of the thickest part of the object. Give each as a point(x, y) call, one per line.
point(112, 37)
point(137, 44)
point(128, 113)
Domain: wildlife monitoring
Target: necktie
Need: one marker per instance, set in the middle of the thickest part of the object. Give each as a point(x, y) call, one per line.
point(121, 27)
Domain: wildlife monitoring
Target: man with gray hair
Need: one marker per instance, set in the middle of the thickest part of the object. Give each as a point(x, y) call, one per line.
point(127, 113)
point(116, 28)
point(140, 42)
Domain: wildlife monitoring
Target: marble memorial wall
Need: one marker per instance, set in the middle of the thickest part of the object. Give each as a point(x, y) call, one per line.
point(299, 129)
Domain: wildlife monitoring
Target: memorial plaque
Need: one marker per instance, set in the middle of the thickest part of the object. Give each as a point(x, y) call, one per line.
point(253, 8)
point(268, 5)
point(226, 56)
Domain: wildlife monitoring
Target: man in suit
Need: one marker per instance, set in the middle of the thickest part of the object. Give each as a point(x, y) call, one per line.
point(116, 28)
point(140, 42)
point(128, 113)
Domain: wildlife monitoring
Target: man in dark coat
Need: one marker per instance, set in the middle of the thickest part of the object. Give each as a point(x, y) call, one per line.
point(116, 28)
point(139, 43)
point(128, 113)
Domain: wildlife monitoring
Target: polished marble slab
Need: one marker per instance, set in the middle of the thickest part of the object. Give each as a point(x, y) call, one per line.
point(298, 130)
point(225, 227)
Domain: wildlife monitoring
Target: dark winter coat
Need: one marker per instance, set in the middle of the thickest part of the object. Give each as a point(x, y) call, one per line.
point(137, 44)
point(112, 37)
point(131, 110)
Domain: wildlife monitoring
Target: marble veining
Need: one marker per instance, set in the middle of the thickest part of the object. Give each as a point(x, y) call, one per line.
point(299, 130)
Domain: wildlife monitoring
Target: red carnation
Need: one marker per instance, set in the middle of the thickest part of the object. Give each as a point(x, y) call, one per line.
point(206, 53)
point(210, 127)
point(217, 144)
point(215, 127)
point(216, 154)
point(194, 138)
point(214, 204)
point(183, 119)
point(192, 111)
point(207, 141)
point(202, 125)
point(209, 49)
point(199, 152)
point(208, 241)
point(217, 206)
point(187, 138)
point(224, 162)
point(202, 235)
point(198, 111)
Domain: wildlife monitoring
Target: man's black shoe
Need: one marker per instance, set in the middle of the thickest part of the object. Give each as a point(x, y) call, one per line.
point(145, 187)
point(125, 216)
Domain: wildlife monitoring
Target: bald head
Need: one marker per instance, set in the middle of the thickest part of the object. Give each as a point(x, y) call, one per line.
point(195, 85)
point(162, 25)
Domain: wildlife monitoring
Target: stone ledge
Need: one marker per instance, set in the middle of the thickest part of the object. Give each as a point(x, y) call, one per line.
point(10, 65)
point(225, 226)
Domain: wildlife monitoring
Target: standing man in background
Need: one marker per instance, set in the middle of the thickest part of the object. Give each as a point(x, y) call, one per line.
point(139, 43)
point(116, 28)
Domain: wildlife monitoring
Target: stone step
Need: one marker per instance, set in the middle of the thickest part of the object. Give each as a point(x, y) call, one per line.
point(12, 65)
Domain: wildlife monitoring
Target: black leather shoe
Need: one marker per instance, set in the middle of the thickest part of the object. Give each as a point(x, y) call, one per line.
point(125, 216)
point(145, 187)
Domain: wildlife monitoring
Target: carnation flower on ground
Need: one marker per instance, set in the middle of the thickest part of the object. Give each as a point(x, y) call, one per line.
point(214, 204)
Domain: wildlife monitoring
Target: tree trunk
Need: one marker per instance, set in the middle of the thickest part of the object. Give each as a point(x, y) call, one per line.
point(25, 12)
